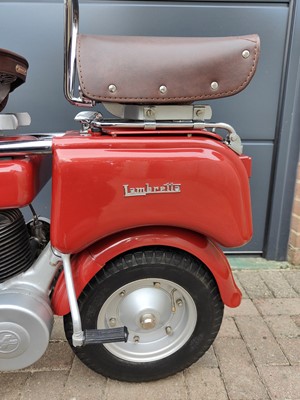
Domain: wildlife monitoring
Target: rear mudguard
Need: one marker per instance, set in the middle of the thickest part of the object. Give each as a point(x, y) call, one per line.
point(87, 263)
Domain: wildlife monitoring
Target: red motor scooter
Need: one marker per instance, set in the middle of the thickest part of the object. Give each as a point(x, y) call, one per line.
point(140, 205)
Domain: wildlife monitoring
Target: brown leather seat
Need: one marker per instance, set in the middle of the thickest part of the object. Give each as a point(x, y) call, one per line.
point(156, 70)
point(13, 72)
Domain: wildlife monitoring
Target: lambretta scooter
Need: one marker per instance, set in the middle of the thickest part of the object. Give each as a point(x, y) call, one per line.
point(141, 204)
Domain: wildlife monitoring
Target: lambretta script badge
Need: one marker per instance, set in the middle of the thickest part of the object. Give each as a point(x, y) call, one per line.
point(166, 188)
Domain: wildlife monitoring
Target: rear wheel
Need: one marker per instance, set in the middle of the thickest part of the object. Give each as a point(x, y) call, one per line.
point(170, 304)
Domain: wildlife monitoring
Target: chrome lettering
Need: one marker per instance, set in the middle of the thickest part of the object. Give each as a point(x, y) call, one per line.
point(166, 188)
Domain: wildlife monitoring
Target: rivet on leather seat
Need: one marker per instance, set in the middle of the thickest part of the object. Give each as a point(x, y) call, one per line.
point(163, 89)
point(112, 88)
point(246, 53)
point(214, 85)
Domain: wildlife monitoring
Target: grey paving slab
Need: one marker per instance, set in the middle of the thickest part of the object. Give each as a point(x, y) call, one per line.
point(278, 285)
point(208, 360)
point(245, 308)
point(260, 341)
point(173, 388)
point(296, 319)
point(291, 348)
point(45, 385)
point(283, 383)
point(283, 326)
point(84, 384)
point(293, 277)
point(241, 378)
point(205, 383)
point(278, 306)
point(229, 329)
point(12, 384)
point(254, 285)
point(58, 333)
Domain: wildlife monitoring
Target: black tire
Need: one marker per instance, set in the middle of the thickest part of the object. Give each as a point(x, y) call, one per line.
point(161, 342)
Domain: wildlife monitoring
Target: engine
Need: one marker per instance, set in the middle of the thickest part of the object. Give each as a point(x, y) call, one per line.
point(26, 318)
point(16, 254)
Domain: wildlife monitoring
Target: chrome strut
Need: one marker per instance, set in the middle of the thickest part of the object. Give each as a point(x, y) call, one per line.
point(88, 336)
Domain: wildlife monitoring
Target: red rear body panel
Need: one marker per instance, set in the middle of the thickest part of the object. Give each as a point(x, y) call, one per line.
point(105, 185)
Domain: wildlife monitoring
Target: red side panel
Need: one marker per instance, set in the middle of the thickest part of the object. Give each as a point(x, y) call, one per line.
point(86, 264)
point(104, 185)
point(22, 178)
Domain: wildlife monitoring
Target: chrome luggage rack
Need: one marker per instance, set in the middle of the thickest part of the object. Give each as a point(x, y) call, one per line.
point(153, 118)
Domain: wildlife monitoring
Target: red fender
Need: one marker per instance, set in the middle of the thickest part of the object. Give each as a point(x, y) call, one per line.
point(88, 262)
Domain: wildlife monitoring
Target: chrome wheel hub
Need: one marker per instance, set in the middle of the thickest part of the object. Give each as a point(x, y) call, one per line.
point(159, 314)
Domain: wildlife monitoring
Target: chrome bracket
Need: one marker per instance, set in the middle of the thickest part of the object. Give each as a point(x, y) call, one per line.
point(234, 142)
point(86, 118)
point(136, 112)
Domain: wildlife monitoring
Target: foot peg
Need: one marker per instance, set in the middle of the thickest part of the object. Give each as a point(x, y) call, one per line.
point(96, 336)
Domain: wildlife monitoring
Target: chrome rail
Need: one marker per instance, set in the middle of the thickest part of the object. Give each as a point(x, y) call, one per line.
point(114, 123)
point(70, 41)
point(25, 147)
point(232, 139)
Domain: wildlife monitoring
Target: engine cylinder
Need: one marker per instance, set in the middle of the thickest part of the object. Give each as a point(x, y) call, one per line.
point(15, 252)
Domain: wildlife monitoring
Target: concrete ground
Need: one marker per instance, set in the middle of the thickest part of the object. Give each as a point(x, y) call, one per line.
point(256, 355)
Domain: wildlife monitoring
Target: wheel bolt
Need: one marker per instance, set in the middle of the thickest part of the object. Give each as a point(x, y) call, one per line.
point(122, 294)
point(136, 339)
point(156, 284)
point(169, 331)
point(112, 322)
point(179, 302)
